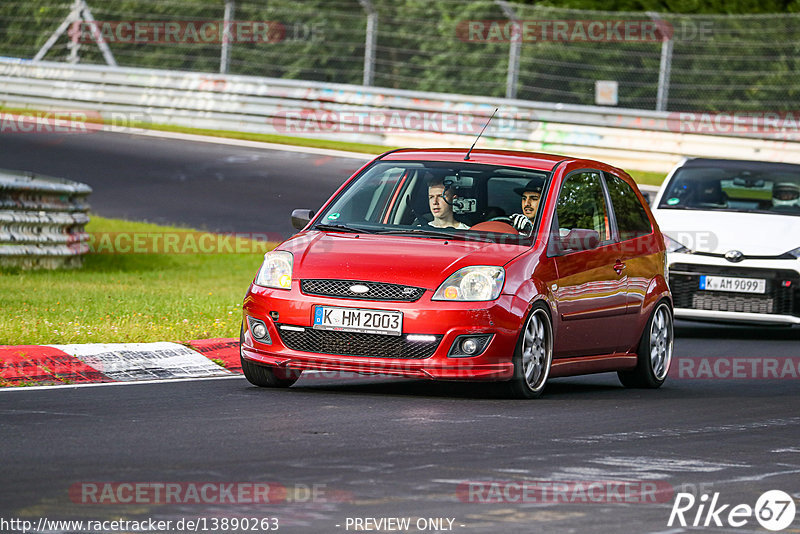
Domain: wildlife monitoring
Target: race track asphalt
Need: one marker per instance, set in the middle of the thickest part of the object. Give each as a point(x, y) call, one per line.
point(377, 447)
point(208, 186)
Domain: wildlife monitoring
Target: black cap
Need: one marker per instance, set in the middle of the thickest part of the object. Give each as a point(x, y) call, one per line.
point(535, 185)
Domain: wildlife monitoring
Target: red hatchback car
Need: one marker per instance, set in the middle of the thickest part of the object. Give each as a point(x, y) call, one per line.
point(448, 265)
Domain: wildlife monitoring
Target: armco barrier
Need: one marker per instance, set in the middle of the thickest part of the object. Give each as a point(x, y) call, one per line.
point(42, 221)
point(637, 139)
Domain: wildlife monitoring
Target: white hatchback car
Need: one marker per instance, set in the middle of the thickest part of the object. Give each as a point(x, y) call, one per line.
point(733, 240)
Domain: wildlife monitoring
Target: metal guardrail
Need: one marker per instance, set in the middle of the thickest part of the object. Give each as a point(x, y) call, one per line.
point(638, 139)
point(42, 221)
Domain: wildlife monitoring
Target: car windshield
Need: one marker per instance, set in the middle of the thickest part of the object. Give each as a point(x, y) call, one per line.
point(434, 199)
point(739, 190)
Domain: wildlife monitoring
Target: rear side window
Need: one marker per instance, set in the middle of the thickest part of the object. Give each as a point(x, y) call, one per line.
point(632, 219)
point(581, 205)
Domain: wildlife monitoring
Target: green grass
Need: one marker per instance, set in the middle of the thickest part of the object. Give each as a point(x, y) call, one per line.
point(278, 139)
point(647, 177)
point(128, 297)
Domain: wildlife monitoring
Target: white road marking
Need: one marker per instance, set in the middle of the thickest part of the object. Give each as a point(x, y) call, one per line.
point(143, 361)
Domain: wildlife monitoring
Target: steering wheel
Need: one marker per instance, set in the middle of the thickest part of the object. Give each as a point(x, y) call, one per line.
point(502, 218)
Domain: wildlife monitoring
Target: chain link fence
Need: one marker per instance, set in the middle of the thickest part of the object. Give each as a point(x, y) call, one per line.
point(485, 47)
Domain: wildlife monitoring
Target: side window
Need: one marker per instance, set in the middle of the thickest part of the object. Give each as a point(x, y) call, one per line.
point(582, 205)
point(367, 203)
point(632, 219)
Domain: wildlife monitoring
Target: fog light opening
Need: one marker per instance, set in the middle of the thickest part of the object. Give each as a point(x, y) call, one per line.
point(259, 330)
point(469, 345)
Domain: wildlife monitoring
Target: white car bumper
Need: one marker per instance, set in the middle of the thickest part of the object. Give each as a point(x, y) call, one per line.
point(779, 304)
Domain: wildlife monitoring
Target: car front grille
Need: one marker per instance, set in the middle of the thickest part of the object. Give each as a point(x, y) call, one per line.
point(376, 290)
point(356, 344)
point(684, 282)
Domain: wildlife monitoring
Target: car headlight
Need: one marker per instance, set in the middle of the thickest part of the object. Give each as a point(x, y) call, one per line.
point(675, 246)
point(795, 252)
point(480, 282)
point(276, 271)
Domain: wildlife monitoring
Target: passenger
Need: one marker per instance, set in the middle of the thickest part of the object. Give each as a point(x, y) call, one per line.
point(531, 194)
point(785, 195)
point(441, 204)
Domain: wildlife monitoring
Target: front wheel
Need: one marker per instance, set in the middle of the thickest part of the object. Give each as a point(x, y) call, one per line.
point(533, 355)
point(265, 377)
point(655, 352)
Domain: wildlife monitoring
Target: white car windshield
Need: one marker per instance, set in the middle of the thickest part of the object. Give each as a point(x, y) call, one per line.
point(433, 199)
point(756, 190)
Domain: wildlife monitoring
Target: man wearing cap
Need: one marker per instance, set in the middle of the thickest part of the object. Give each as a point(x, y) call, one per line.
point(531, 194)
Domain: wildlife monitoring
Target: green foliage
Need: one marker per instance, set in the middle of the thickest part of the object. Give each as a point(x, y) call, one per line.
point(128, 297)
point(746, 61)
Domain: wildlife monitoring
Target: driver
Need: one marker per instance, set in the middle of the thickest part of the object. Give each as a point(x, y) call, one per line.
point(441, 204)
point(531, 194)
point(785, 194)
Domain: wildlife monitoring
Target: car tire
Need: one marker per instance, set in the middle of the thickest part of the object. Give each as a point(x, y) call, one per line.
point(533, 355)
point(265, 376)
point(654, 352)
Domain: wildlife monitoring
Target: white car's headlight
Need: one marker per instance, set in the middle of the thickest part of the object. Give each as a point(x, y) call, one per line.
point(675, 246)
point(276, 271)
point(480, 282)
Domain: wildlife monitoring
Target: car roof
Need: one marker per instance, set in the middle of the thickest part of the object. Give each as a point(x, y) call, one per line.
point(739, 164)
point(511, 158)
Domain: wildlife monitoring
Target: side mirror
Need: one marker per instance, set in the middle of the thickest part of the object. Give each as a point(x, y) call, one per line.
point(300, 218)
point(580, 239)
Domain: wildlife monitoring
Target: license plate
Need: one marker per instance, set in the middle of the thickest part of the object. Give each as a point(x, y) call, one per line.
point(358, 320)
point(738, 285)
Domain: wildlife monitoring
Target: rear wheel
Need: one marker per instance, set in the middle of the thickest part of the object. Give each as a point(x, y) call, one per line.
point(265, 376)
point(533, 355)
point(655, 351)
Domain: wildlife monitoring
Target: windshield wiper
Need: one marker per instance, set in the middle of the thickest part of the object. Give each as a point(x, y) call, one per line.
point(434, 233)
point(339, 228)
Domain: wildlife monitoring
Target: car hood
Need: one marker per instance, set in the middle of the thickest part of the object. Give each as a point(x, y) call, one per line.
point(413, 261)
point(754, 234)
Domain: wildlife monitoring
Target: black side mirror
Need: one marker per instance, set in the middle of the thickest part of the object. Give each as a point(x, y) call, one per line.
point(300, 218)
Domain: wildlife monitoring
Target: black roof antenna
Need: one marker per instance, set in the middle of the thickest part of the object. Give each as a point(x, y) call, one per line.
point(466, 158)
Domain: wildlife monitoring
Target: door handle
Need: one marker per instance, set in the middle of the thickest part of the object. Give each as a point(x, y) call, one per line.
point(619, 266)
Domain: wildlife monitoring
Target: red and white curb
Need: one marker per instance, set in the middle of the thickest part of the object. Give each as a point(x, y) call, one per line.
point(117, 362)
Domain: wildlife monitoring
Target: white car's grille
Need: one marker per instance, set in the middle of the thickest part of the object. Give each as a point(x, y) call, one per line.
point(782, 290)
point(748, 304)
